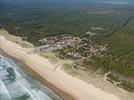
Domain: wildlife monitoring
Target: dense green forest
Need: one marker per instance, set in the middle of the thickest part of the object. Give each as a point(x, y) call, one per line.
point(35, 21)
point(39, 20)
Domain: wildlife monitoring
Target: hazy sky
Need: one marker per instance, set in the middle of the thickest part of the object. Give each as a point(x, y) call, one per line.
point(105, 1)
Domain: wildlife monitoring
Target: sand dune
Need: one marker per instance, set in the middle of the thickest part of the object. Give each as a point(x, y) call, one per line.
point(75, 87)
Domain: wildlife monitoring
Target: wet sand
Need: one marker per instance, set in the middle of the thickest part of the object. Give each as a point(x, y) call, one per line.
point(38, 77)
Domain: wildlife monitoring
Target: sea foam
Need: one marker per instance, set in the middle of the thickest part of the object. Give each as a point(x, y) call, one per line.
point(16, 87)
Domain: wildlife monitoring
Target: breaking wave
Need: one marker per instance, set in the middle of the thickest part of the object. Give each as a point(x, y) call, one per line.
point(16, 85)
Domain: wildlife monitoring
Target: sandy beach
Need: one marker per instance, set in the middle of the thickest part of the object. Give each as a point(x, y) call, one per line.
point(67, 86)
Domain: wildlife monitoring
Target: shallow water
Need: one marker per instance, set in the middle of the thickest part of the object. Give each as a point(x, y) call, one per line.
point(16, 85)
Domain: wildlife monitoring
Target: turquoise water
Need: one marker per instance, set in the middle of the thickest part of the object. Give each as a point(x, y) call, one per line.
point(16, 85)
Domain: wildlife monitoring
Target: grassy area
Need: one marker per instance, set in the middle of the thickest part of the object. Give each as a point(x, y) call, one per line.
point(68, 68)
point(124, 84)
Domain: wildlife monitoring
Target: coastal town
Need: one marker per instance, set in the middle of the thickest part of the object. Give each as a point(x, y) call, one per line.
point(73, 47)
point(66, 49)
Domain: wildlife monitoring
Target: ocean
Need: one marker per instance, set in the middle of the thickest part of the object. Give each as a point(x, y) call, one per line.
point(15, 84)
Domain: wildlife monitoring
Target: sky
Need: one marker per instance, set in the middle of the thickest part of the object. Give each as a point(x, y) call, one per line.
point(96, 1)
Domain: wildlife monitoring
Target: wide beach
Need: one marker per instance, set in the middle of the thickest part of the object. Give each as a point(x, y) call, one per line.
point(66, 86)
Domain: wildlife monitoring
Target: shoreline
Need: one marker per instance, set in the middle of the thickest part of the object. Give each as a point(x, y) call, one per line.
point(64, 85)
point(62, 94)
